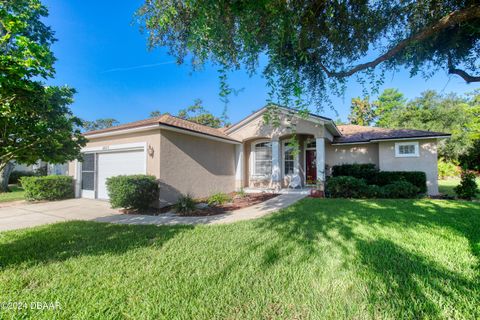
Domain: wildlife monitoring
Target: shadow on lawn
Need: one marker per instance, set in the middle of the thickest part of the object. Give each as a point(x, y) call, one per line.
point(401, 281)
point(61, 241)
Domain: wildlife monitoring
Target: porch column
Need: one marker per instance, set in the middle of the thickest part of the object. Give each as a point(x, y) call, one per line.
point(320, 145)
point(276, 174)
point(239, 167)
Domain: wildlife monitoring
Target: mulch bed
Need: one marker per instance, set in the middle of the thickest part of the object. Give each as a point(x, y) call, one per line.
point(247, 200)
point(237, 202)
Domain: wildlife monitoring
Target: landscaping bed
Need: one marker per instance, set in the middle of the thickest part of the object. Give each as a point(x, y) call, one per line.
point(238, 202)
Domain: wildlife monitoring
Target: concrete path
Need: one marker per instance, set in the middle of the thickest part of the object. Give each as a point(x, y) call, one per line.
point(253, 212)
point(18, 215)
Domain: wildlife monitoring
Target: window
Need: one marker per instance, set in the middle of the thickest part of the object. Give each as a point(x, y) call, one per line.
point(406, 149)
point(262, 159)
point(88, 171)
point(288, 159)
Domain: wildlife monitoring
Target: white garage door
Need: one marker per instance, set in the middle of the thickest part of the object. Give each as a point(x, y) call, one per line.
point(115, 164)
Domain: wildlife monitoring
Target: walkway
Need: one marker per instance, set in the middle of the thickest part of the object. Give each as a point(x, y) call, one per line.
point(253, 212)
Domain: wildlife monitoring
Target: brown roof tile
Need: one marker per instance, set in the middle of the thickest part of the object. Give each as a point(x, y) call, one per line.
point(354, 133)
point(167, 120)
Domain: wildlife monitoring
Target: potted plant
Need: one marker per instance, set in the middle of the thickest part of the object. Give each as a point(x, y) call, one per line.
point(319, 190)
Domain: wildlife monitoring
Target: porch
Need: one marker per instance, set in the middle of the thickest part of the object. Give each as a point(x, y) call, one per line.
point(282, 164)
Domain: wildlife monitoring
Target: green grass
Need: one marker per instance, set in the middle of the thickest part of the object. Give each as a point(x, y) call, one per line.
point(319, 259)
point(446, 186)
point(16, 194)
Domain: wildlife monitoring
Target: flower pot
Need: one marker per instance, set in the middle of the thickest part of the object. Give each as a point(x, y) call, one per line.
point(315, 193)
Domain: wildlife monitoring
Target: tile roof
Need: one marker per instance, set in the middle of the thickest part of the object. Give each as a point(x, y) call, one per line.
point(354, 133)
point(167, 120)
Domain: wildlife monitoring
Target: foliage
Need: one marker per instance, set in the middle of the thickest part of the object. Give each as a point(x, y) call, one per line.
point(197, 113)
point(155, 113)
point(400, 189)
point(218, 199)
point(468, 188)
point(330, 43)
point(33, 117)
point(185, 204)
point(48, 187)
point(387, 104)
point(361, 112)
point(417, 178)
point(471, 159)
point(241, 193)
point(136, 192)
point(375, 192)
point(346, 187)
point(99, 124)
point(447, 169)
point(365, 171)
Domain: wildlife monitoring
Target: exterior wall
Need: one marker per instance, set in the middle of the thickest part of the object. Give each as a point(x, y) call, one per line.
point(426, 161)
point(152, 139)
point(347, 154)
point(194, 165)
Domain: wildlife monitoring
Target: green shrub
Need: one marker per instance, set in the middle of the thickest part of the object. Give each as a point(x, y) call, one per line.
point(373, 191)
point(48, 187)
point(218, 199)
point(400, 189)
point(417, 178)
point(360, 171)
point(345, 187)
point(447, 170)
point(16, 175)
point(467, 189)
point(137, 192)
point(185, 204)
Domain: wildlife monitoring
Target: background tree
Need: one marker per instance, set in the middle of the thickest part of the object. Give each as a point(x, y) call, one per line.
point(99, 124)
point(432, 111)
point(387, 103)
point(361, 112)
point(197, 113)
point(155, 113)
point(318, 45)
point(35, 120)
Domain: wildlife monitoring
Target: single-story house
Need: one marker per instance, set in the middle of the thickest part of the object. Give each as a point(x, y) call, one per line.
point(190, 158)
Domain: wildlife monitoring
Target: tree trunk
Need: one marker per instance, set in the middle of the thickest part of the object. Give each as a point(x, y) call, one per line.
point(4, 176)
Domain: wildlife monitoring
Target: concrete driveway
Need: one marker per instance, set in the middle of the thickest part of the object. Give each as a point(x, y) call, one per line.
point(20, 215)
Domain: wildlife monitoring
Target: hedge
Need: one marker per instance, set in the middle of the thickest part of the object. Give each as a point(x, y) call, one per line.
point(373, 176)
point(351, 187)
point(137, 192)
point(48, 187)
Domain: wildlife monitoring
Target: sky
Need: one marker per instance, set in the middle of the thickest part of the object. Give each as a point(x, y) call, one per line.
point(104, 56)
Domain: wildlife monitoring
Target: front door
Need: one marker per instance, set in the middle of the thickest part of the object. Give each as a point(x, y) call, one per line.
point(311, 166)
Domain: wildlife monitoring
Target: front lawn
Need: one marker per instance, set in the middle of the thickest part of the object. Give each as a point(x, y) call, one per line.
point(16, 194)
point(354, 259)
point(446, 186)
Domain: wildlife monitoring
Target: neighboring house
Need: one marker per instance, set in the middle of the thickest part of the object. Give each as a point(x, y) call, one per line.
point(190, 158)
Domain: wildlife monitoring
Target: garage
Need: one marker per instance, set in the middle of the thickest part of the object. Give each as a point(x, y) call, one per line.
point(97, 167)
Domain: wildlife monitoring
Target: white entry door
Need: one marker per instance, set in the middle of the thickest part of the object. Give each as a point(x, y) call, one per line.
point(115, 164)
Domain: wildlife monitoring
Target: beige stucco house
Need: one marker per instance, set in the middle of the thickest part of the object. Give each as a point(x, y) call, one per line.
point(190, 158)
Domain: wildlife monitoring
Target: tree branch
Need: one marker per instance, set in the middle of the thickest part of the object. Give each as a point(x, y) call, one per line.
point(449, 20)
point(468, 78)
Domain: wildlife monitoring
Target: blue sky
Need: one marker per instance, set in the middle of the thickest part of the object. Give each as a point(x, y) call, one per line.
point(102, 54)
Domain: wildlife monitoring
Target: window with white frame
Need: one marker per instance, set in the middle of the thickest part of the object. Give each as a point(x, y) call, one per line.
point(262, 159)
point(406, 149)
point(288, 159)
